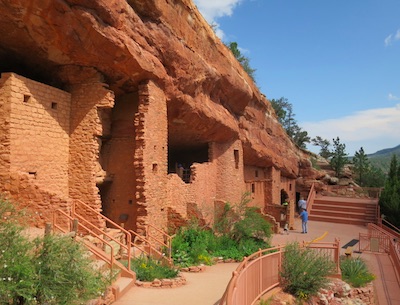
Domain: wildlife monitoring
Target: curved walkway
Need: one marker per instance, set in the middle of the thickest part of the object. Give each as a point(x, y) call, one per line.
point(207, 287)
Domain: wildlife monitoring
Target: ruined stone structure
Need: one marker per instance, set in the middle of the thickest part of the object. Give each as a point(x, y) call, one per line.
point(136, 108)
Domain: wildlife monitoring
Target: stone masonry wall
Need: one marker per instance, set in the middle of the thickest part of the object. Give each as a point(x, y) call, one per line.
point(86, 128)
point(204, 189)
point(117, 159)
point(5, 109)
point(289, 185)
point(151, 157)
point(39, 129)
point(34, 137)
point(228, 158)
point(255, 185)
point(273, 186)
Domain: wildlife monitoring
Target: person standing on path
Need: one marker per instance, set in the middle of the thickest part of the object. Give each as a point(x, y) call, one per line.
point(302, 204)
point(304, 220)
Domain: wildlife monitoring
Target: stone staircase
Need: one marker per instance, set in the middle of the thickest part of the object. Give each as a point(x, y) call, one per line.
point(110, 244)
point(122, 278)
point(356, 211)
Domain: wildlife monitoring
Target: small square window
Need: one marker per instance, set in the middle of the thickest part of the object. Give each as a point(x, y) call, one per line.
point(53, 105)
point(27, 98)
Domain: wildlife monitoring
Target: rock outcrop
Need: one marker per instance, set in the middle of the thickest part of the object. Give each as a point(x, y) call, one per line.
point(209, 95)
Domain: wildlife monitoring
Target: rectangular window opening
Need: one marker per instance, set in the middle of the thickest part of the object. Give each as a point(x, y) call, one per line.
point(155, 168)
point(236, 155)
point(53, 105)
point(253, 188)
point(27, 98)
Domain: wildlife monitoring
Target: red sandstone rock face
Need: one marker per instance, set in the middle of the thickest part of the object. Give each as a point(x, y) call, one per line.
point(210, 97)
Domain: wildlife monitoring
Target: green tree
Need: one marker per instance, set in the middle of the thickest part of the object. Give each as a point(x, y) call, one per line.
point(324, 144)
point(393, 169)
point(284, 111)
point(374, 177)
point(390, 197)
point(361, 166)
point(243, 60)
point(339, 157)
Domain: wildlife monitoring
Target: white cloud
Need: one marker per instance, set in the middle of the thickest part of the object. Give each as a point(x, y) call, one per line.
point(392, 97)
point(388, 40)
point(392, 38)
point(213, 9)
point(397, 36)
point(372, 129)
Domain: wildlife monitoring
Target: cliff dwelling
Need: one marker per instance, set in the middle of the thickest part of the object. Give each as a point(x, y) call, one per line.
point(137, 109)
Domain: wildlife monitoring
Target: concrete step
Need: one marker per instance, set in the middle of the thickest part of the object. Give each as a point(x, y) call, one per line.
point(346, 204)
point(325, 218)
point(122, 285)
point(353, 209)
point(342, 214)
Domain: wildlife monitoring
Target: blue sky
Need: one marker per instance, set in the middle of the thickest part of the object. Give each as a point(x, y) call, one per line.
point(337, 62)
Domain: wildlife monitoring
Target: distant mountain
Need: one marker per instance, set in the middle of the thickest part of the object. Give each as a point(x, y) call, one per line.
point(381, 158)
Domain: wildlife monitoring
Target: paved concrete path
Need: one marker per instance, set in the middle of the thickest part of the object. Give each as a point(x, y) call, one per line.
point(206, 288)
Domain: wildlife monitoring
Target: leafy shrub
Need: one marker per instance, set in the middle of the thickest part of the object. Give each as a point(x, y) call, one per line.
point(251, 226)
point(48, 270)
point(304, 271)
point(190, 246)
point(355, 272)
point(239, 231)
point(148, 269)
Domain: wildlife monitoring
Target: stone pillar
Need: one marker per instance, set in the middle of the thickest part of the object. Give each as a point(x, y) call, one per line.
point(86, 128)
point(228, 158)
point(5, 110)
point(151, 157)
point(273, 183)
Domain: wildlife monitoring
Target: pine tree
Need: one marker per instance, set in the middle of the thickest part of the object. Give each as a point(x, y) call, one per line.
point(390, 197)
point(339, 156)
point(361, 166)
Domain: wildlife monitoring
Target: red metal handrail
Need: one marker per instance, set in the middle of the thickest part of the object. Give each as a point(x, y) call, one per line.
point(151, 246)
point(310, 198)
point(388, 241)
point(167, 239)
point(260, 272)
point(128, 235)
point(109, 260)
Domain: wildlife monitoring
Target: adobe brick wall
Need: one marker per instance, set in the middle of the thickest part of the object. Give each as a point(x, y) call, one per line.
point(5, 109)
point(228, 158)
point(151, 157)
point(117, 159)
point(255, 178)
point(87, 101)
point(34, 145)
point(289, 185)
point(204, 188)
point(39, 129)
point(274, 185)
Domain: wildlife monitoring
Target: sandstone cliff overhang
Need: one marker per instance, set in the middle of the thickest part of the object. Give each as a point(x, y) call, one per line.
point(210, 97)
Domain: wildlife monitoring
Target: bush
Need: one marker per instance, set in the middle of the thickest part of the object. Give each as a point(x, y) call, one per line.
point(49, 270)
point(190, 246)
point(304, 271)
point(355, 272)
point(238, 231)
point(148, 269)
